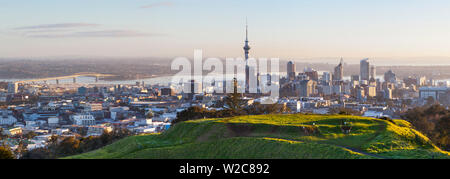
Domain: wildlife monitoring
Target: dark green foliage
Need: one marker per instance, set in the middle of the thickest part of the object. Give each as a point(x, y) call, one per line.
point(6, 153)
point(72, 146)
point(433, 121)
point(196, 112)
point(30, 135)
point(344, 111)
point(388, 119)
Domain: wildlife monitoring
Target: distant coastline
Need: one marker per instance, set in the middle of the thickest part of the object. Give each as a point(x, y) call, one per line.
point(137, 69)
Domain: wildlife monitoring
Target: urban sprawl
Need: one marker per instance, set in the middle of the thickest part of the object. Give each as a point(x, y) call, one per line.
point(82, 110)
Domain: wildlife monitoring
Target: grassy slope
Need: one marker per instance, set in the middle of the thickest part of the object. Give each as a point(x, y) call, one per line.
point(277, 136)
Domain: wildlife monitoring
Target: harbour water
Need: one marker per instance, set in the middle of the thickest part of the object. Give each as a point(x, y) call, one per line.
point(162, 80)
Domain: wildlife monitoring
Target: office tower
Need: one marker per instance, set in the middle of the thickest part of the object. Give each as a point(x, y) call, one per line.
point(388, 93)
point(269, 79)
point(327, 77)
point(13, 87)
point(370, 91)
point(306, 88)
point(258, 81)
point(389, 76)
point(82, 90)
point(364, 70)
point(354, 78)
point(360, 93)
point(373, 73)
point(421, 81)
point(291, 71)
point(312, 74)
point(190, 88)
point(339, 71)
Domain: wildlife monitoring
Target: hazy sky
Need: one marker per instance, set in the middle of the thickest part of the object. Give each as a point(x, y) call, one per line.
point(282, 28)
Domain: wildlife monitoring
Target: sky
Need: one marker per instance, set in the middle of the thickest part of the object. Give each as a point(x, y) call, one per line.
point(292, 29)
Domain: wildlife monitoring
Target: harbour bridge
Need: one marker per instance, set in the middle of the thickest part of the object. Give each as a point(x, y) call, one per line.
point(74, 77)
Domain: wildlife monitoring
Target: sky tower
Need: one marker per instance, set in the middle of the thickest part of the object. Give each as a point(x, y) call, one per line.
point(246, 47)
point(247, 69)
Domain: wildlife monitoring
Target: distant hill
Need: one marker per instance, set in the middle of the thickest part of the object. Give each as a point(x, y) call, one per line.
point(294, 136)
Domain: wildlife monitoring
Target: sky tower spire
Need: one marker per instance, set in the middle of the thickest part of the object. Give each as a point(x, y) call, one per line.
point(246, 30)
point(246, 51)
point(246, 47)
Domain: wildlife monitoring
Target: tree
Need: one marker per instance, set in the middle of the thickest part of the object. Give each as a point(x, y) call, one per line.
point(2, 136)
point(21, 148)
point(234, 100)
point(442, 128)
point(39, 153)
point(5, 153)
point(30, 135)
point(149, 115)
point(430, 101)
point(344, 111)
point(68, 146)
point(191, 113)
point(433, 121)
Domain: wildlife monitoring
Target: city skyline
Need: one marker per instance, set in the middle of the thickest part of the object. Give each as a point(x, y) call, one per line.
point(288, 29)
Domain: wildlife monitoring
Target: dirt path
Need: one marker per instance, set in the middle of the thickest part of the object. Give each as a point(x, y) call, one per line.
point(348, 148)
point(360, 151)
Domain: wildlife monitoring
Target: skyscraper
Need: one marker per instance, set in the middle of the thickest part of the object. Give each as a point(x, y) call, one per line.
point(373, 72)
point(326, 77)
point(12, 87)
point(291, 71)
point(339, 71)
point(306, 88)
point(193, 87)
point(364, 70)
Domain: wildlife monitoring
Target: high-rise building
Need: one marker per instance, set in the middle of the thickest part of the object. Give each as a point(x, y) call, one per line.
point(370, 91)
point(327, 77)
point(364, 70)
point(167, 92)
point(421, 81)
point(192, 88)
point(339, 71)
point(354, 78)
point(313, 75)
point(291, 71)
point(13, 87)
point(306, 88)
point(82, 90)
point(389, 76)
point(360, 93)
point(388, 93)
point(373, 73)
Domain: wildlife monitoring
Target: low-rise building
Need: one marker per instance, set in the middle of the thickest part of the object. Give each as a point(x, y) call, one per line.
point(83, 119)
point(7, 119)
point(12, 131)
point(440, 94)
point(98, 130)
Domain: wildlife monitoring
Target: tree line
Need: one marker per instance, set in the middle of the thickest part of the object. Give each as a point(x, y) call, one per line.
point(433, 121)
point(233, 105)
point(64, 146)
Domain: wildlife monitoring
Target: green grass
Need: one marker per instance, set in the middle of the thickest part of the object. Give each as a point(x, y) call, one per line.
point(277, 136)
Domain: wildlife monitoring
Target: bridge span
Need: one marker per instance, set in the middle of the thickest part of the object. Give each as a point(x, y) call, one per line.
point(74, 76)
